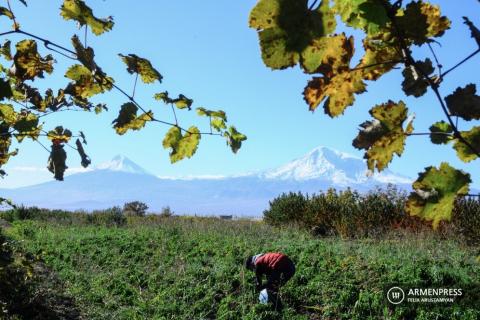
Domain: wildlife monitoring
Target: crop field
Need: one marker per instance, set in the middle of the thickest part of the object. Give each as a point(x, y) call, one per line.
point(192, 268)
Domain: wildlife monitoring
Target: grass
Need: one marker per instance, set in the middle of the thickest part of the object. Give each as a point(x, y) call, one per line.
point(192, 268)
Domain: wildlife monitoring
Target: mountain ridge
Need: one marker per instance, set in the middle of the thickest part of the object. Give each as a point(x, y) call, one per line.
point(122, 180)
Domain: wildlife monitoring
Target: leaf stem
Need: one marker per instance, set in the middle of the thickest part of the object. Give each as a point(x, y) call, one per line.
point(460, 63)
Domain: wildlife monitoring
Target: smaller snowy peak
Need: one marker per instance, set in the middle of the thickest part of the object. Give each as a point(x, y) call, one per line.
point(122, 164)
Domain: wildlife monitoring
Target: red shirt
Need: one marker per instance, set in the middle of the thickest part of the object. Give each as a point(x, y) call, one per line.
point(273, 261)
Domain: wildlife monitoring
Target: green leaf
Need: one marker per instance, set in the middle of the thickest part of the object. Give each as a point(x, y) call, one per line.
point(27, 126)
point(435, 191)
point(384, 136)
point(328, 55)
point(376, 52)
point(287, 28)
point(464, 152)
point(163, 96)
point(5, 12)
point(181, 145)
point(99, 108)
point(59, 135)
point(440, 133)
point(217, 118)
point(128, 120)
point(5, 89)
point(28, 63)
point(8, 114)
point(77, 10)
point(339, 92)
point(368, 15)
point(141, 66)
point(463, 102)
point(473, 30)
point(421, 21)
point(85, 162)
point(414, 83)
point(57, 161)
point(5, 50)
point(86, 57)
point(234, 138)
point(183, 102)
point(84, 85)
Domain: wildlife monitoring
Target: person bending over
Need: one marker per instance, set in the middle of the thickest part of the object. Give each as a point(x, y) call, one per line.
point(276, 266)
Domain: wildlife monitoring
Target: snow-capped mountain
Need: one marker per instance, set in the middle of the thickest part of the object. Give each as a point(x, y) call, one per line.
point(123, 164)
point(328, 164)
point(121, 180)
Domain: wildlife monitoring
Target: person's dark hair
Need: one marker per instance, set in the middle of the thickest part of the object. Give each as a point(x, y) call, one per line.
point(248, 262)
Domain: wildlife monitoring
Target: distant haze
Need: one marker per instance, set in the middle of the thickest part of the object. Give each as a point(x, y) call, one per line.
point(121, 180)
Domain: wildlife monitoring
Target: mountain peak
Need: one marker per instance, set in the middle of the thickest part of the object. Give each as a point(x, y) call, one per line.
point(329, 164)
point(122, 164)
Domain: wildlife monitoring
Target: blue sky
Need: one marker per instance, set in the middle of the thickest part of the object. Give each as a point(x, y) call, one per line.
point(205, 50)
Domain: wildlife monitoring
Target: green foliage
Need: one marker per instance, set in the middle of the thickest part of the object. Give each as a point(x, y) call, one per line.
point(181, 145)
point(464, 102)
point(234, 138)
point(128, 120)
point(440, 132)
point(23, 105)
point(435, 192)
point(414, 84)
point(141, 66)
point(286, 208)
point(135, 208)
point(291, 32)
point(384, 136)
point(77, 10)
point(192, 268)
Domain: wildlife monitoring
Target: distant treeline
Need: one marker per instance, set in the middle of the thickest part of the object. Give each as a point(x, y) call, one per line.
point(350, 214)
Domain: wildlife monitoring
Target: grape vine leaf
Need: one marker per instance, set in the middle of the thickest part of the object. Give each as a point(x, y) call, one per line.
point(234, 138)
point(5, 89)
point(8, 115)
point(128, 120)
point(473, 29)
point(441, 132)
point(181, 145)
point(57, 161)
point(338, 91)
point(421, 21)
point(84, 55)
point(328, 55)
point(182, 102)
point(77, 10)
point(85, 162)
point(414, 82)
point(217, 118)
point(376, 52)
point(5, 12)
point(368, 15)
point(464, 102)
point(84, 85)
point(27, 126)
point(464, 152)
point(435, 191)
point(59, 135)
point(384, 136)
point(141, 66)
point(5, 50)
point(286, 29)
point(28, 63)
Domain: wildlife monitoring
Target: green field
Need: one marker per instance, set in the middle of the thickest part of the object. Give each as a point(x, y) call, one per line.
point(192, 268)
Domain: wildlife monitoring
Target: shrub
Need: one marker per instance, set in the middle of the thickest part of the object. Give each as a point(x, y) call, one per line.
point(166, 212)
point(287, 208)
point(108, 217)
point(466, 219)
point(135, 208)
